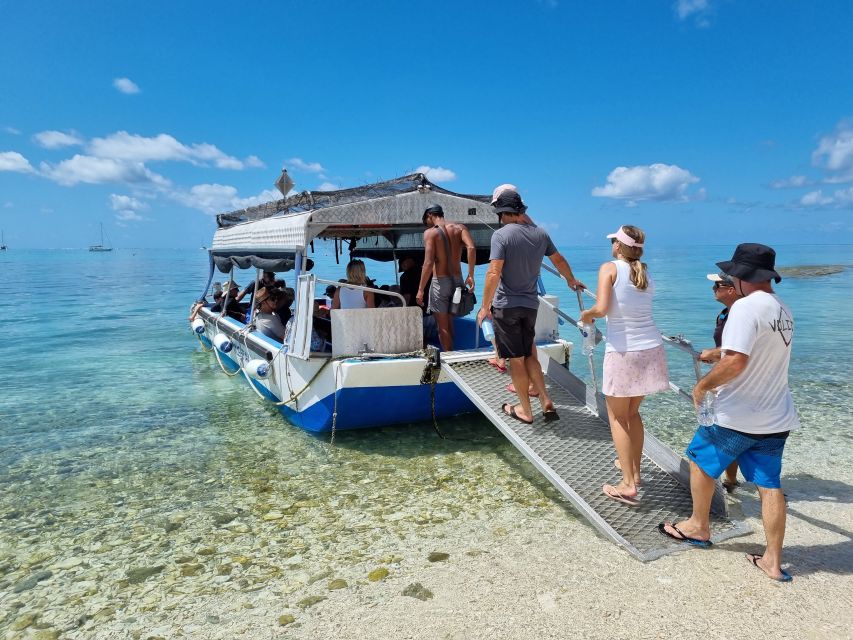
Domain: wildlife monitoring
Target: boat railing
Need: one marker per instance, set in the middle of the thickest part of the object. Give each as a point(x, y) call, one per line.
point(678, 341)
point(359, 287)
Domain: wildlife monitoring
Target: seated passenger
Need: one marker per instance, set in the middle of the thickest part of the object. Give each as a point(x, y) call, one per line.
point(354, 298)
point(233, 308)
point(215, 308)
point(267, 280)
point(266, 320)
point(386, 300)
point(286, 296)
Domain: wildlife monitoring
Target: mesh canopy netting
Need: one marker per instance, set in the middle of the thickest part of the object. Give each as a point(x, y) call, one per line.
point(315, 200)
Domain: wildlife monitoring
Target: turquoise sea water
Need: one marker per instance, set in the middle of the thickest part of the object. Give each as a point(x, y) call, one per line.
point(133, 472)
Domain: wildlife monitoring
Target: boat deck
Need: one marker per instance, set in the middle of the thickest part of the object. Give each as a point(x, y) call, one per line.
point(575, 453)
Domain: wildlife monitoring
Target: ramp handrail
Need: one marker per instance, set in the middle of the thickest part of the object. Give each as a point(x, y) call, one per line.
point(678, 341)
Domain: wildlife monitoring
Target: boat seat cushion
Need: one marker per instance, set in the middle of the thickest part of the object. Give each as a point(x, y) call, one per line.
point(383, 330)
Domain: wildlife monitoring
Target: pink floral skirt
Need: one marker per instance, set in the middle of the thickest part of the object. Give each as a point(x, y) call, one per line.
point(635, 373)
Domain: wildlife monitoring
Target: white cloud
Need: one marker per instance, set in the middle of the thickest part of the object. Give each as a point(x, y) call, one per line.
point(841, 198)
point(660, 182)
point(686, 8)
point(12, 130)
point(57, 139)
point(436, 174)
point(14, 161)
point(93, 170)
point(126, 146)
point(834, 153)
point(255, 162)
point(792, 182)
point(310, 167)
point(128, 215)
point(121, 203)
point(126, 85)
point(328, 186)
point(219, 198)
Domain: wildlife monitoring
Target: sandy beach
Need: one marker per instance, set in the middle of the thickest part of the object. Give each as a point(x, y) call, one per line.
point(536, 581)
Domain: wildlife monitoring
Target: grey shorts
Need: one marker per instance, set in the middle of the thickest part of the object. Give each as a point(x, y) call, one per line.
point(441, 293)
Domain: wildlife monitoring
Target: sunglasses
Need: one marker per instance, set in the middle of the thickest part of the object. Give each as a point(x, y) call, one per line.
point(722, 285)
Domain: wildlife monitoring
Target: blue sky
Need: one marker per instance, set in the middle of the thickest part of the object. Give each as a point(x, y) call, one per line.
point(704, 121)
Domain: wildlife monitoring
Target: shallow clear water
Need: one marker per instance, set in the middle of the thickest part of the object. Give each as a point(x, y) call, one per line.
point(135, 473)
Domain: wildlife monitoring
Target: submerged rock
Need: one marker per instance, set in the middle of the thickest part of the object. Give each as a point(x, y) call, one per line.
point(310, 601)
point(417, 590)
point(23, 622)
point(325, 573)
point(141, 574)
point(191, 569)
point(68, 563)
point(438, 556)
point(810, 270)
point(338, 583)
point(286, 619)
point(33, 580)
point(378, 574)
point(221, 519)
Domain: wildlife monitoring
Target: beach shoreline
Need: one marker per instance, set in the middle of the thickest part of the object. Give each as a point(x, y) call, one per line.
point(527, 586)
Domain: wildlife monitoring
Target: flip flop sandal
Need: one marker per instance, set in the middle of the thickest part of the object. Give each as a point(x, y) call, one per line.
point(730, 486)
point(511, 388)
point(755, 557)
point(696, 542)
point(550, 415)
point(613, 494)
point(495, 364)
point(512, 414)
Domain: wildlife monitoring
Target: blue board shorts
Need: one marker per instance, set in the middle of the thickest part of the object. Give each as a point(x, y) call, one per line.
point(759, 455)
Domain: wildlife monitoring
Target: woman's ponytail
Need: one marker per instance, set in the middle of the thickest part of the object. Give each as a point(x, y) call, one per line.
point(639, 270)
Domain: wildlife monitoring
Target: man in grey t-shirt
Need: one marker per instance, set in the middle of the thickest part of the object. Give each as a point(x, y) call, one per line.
point(511, 298)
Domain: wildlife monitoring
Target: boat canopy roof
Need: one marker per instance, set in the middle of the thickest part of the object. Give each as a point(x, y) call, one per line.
point(381, 221)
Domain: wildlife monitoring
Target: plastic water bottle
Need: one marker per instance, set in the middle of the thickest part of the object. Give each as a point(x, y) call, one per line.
point(706, 413)
point(488, 330)
point(457, 295)
point(588, 332)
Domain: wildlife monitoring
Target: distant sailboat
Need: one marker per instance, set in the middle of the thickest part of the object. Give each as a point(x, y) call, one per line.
point(2, 241)
point(101, 246)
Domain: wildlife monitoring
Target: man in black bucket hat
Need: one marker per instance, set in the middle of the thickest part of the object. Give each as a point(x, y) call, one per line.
point(754, 409)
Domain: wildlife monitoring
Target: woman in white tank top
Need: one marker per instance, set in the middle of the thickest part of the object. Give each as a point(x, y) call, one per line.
point(634, 359)
point(354, 298)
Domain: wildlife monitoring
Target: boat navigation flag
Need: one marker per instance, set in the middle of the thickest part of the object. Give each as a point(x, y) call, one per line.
point(284, 183)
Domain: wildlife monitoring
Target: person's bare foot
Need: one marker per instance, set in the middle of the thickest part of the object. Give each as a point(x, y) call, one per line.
point(774, 573)
point(622, 493)
point(618, 465)
point(517, 412)
point(688, 529)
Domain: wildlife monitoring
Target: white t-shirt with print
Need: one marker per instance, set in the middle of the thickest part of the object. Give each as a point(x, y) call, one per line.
point(759, 400)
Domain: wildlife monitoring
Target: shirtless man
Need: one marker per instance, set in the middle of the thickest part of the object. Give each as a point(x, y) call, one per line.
point(446, 270)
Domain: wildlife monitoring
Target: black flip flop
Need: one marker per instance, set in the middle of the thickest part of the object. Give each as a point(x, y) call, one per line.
point(755, 557)
point(512, 414)
point(696, 542)
point(549, 415)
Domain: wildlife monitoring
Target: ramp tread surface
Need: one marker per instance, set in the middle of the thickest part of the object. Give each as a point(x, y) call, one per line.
point(579, 450)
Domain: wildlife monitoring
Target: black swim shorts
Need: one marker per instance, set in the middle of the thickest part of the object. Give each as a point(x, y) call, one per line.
point(515, 329)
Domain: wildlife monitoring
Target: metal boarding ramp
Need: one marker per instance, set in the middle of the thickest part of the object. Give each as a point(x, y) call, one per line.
point(576, 454)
